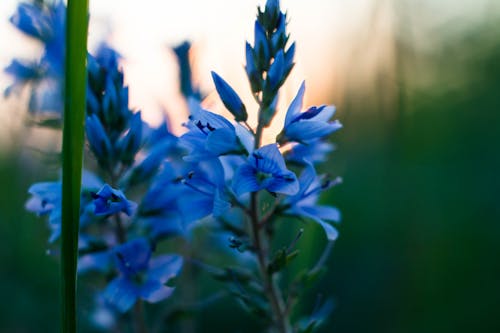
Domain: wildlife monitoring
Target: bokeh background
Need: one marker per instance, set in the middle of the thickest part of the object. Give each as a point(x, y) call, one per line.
point(417, 87)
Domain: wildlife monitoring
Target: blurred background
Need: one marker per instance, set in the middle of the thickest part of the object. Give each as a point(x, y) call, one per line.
point(417, 86)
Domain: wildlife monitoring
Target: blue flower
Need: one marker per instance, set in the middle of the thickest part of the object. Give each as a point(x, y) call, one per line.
point(109, 201)
point(46, 23)
point(130, 143)
point(46, 200)
point(159, 209)
point(272, 7)
point(95, 262)
point(314, 152)
point(261, 47)
point(31, 19)
point(206, 190)
point(305, 127)
point(22, 71)
point(186, 84)
point(210, 135)
point(251, 69)
point(277, 70)
point(303, 204)
point(140, 276)
point(279, 37)
point(98, 140)
point(230, 98)
point(265, 169)
point(149, 166)
point(107, 97)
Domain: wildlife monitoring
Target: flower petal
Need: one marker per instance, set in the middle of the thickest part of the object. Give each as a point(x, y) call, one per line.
point(244, 180)
point(222, 141)
point(324, 212)
point(165, 267)
point(304, 131)
point(296, 105)
point(133, 256)
point(154, 291)
point(286, 184)
point(330, 231)
point(121, 293)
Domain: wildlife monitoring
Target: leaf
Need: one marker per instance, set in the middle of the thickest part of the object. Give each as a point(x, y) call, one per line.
point(281, 259)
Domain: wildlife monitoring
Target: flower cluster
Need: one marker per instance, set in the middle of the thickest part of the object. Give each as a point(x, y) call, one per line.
point(45, 24)
point(218, 171)
point(258, 182)
point(114, 239)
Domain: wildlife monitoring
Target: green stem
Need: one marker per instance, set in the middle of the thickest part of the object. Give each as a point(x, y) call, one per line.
point(139, 321)
point(138, 315)
point(281, 321)
point(261, 244)
point(73, 136)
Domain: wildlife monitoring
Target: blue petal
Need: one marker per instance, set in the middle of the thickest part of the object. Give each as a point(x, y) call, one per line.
point(50, 191)
point(46, 97)
point(23, 71)
point(55, 225)
point(121, 293)
point(244, 180)
point(213, 171)
point(94, 262)
point(154, 291)
point(198, 114)
point(32, 20)
point(46, 198)
point(304, 131)
point(165, 267)
point(272, 6)
point(197, 207)
point(193, 140)
point(296, 105)
point(307, 177)
point(109, 98)
point(221, 204)
point(109, 201)
point(38, 205)
point(326, 113)
point(182, 52)
point(230, 98)
point(330, 231)
point(98, 139)
point(130, 143)
point(289, 54)
point(310, 113)
point(277, 70)
point(133, 256)
point(324, 212)
point(222, 141)
point(250, 67)
point(314, 152)
point(260, 43)
point(268, 159)
point(246, 138)
point(164, 225)
point(285, 184)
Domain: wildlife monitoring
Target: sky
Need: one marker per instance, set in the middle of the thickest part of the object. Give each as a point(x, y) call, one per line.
point(328, 33)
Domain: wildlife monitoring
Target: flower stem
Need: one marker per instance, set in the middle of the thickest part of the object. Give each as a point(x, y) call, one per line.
point(273, 295)
point(139, 321)
point(261, 244)
point(74, 115)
